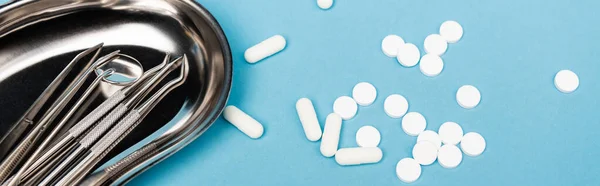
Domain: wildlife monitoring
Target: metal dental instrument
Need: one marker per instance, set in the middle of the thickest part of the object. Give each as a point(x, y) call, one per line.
point(17, 155)
point(27, 119)
point(122, 129)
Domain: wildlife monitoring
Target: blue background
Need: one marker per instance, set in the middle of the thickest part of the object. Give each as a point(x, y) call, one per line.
point(511, 50)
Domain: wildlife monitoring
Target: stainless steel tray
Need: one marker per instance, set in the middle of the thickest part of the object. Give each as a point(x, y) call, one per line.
point(39, 37)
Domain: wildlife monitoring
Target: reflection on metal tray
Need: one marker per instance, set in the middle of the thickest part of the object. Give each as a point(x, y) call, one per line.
point(39, 37)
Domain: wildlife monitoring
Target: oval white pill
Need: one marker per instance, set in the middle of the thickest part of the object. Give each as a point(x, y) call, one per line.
point(408, 170)
point(391, 44)
point(345, 107)
point(408, 55)
point(364, 93)
point(243, 122)
point(566, 81)
point(425, 152)
point(325, 4)
point(395, 106)
point(451, 31)
point(449, 156)
point(435, 44)
point(308, 118)
point(451, 133)
point(431, 65)
point(331, 135)
point(413, 123)
point(468, 96)
point(430, 136)
point(472, 144)
point(265, 49)
point(368, 136)
point(358, 155)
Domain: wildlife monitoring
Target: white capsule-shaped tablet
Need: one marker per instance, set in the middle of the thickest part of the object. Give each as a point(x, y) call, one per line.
point(243, 122)
point(358, 155)
point(308, 118)
point(265, 49)
point(331, 135)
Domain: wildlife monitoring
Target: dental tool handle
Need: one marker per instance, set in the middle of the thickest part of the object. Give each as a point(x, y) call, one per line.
point(97, 113)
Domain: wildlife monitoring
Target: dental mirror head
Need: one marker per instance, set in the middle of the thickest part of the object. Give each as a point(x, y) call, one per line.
point(127, 70)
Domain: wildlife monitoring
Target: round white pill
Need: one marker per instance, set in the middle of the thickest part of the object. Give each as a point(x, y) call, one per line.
point(345, 107)
point(364, 93)
point(368, 136)
point(425, 152)
point(472, 144)
point(408, 55)
point(468, 96)
point(430, 136)
point(395, 106)
point(435, 44)
point(449, 156)
point(451, 31)
point(431, 65)
point(413, 123)
point(391, 44)
point(325, 4)
point(566, 81)
point(408, 170)
point(451, 133)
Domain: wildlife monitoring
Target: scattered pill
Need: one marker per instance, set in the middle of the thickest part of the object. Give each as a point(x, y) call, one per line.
point(413, 123)
point(472, 144)
point(566, 81)
point(451, 31)
point(358, 155)
point(308, 118)
point(435, 44)
point(395, 106)
point(431, 65)
point(391, 44)
point(265, 49)
point(408, 170)
point(368, 136)
point(451, 133)
point(345, 107)
point(449, 156)
point(468, 96)
point(430, 136)
point(408, 55)
point(243, 122)
point(331, 135)
point(425, 152)
point(364, 93)
point(325, 4)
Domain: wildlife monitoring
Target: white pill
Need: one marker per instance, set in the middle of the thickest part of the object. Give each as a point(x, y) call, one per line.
point(566, 81)
point(431, 65)
point(331, 135)
point(468, 96)
point(345, 107)
point(325, 4)
point(408, 170)
point(358, 155)
point(408, 55)
point(430, 136)
point(265, 49)
point(308, 118)
point(413, 123)
point(243, 122)
point(451, 133)
point(449, 156)
point(472, 144)
point(425, 152)
point(451, 31)
point(364, 93)
point(395, 106)
point(391, 44)
point(368, 136)
point(435, 44)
